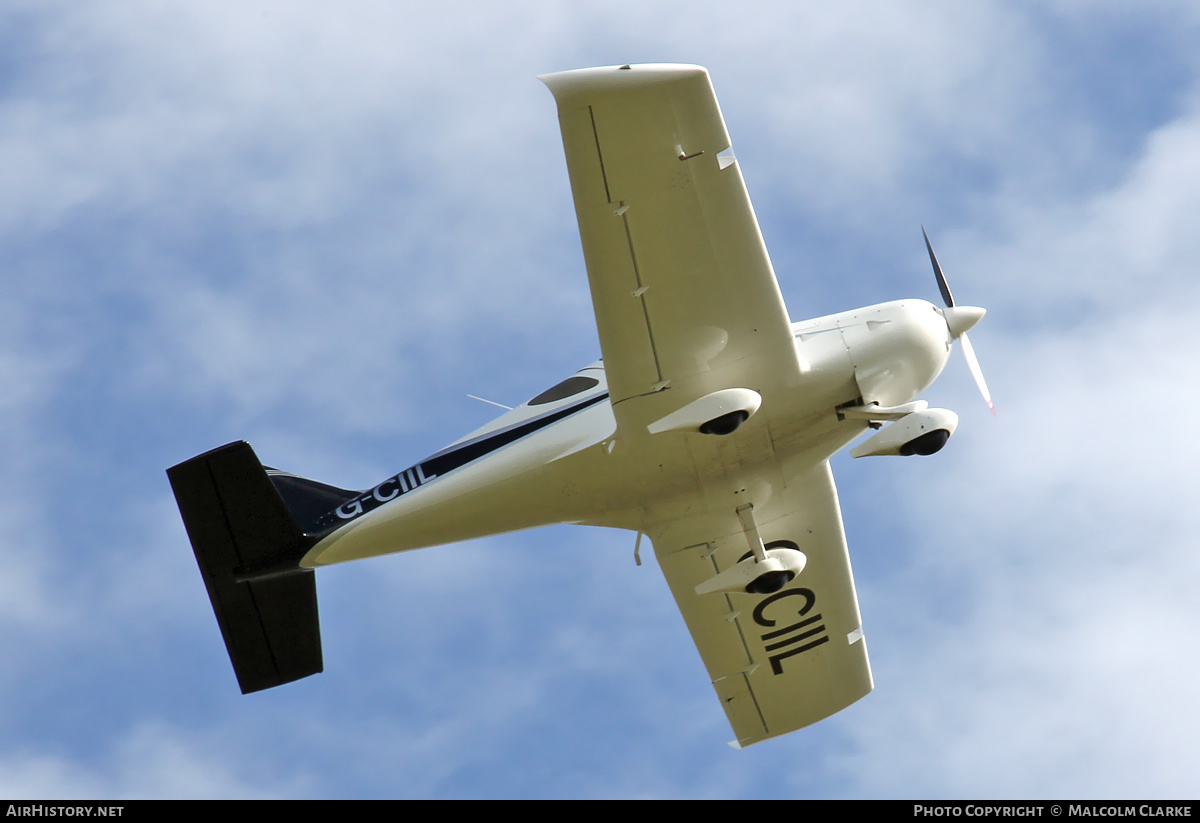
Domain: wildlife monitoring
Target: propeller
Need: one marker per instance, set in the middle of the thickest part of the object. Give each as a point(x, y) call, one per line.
point(959, 319)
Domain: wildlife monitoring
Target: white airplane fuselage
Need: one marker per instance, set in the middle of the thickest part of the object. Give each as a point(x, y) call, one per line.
point(562, 460)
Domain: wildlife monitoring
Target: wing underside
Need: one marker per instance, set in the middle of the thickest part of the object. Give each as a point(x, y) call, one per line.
point(781, 661)
point(685, 297)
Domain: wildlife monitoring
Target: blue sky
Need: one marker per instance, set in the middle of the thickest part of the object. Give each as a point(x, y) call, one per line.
point(319, 228)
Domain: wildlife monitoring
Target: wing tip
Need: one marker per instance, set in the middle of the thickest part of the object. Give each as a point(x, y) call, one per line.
point(600, 79)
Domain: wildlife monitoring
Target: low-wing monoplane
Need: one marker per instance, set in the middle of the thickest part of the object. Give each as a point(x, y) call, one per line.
point(707, 426)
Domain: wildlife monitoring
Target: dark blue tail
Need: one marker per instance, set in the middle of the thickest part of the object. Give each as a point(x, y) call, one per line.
point(246, 530)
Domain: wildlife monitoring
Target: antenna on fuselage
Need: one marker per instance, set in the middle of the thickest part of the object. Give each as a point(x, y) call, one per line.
point(491, 402)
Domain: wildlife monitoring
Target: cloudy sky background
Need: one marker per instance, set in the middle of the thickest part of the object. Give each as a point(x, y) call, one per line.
point(319, 228)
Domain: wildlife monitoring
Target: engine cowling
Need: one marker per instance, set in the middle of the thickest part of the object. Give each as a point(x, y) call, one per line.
point(921, 432)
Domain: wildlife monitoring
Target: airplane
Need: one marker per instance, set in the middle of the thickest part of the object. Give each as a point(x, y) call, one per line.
point(707, 426)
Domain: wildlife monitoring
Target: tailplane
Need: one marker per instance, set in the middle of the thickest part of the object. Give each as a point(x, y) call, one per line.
point(248, 543)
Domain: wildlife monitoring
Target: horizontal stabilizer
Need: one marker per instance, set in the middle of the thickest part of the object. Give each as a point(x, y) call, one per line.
point(248, 547)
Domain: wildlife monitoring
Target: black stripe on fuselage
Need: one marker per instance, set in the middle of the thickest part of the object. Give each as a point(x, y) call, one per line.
point(441, 464)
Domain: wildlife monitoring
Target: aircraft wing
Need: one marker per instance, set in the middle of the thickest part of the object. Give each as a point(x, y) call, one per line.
point(780, 661)
point(683, 290)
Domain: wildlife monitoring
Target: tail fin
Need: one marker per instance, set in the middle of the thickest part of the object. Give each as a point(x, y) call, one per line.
point(248, 546)
point(308, 500)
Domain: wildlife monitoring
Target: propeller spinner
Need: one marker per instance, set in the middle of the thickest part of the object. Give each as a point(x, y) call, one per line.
point(959, 319)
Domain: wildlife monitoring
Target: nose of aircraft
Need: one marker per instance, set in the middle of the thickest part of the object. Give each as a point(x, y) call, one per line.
point(962, 319)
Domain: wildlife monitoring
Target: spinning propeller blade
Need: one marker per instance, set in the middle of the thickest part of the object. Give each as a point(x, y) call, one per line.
point(976, 372)
point(959, 319)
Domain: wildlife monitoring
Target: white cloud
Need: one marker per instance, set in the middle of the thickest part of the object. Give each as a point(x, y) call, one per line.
point(153, 761)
